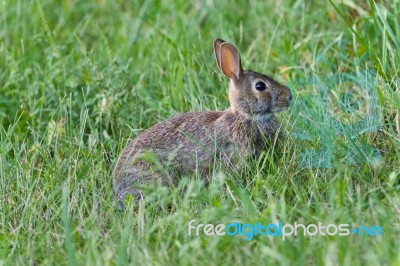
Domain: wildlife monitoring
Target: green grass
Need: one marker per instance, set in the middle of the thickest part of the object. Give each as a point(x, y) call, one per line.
point(79, 78)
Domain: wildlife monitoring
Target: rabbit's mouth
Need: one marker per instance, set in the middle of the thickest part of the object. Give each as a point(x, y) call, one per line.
point(277, 109)
point(281, 103)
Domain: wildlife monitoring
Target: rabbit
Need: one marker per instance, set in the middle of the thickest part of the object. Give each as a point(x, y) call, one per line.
point(192, 141)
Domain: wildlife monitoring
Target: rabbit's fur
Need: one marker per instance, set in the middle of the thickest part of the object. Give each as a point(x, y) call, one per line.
point(192, 141)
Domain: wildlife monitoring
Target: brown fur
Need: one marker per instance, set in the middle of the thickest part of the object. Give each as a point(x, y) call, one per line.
point(193, 141)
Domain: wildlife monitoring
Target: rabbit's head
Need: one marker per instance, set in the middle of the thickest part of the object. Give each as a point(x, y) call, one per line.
point(250, 93)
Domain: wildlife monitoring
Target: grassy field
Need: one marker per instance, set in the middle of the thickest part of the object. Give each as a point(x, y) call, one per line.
point(80, 78)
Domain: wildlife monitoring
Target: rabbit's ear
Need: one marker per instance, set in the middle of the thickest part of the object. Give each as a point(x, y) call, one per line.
point(230, 61)
point(217, 51)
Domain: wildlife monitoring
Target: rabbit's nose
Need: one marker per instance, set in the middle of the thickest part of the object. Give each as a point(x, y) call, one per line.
point(289, 98)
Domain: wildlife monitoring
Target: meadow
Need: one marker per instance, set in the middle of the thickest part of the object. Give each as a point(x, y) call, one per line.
point(78, 79)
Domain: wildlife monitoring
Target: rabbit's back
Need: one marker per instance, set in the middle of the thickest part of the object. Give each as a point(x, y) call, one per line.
point(187, 142)
point(185, 131)
point(182, 130)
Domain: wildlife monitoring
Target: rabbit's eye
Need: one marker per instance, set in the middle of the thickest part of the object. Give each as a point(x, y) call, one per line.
point(260, 86)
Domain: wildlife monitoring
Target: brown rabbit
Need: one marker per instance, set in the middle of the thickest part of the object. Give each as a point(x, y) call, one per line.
point(192, 141)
